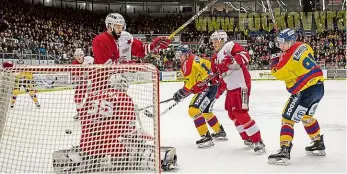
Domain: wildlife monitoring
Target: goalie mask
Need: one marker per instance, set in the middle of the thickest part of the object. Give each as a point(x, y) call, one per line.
point(115, 23)
point(119, 82)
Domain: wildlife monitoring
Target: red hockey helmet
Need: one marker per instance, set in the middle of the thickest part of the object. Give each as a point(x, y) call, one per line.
point(7, 64)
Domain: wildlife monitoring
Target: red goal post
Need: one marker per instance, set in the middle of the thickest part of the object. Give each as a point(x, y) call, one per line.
point(112, 135)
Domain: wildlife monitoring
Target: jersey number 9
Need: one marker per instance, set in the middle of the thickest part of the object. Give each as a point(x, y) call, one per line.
point(308, 62)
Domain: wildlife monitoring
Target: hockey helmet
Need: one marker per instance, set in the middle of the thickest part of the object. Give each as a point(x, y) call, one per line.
point(7, 64)
point(78, 53)
point(287, 36)
point(115, 18)
point(182, 49)
point(219, 35)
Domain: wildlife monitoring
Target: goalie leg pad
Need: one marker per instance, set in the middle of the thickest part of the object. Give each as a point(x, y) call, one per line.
point(67, 160)
point(168, 158)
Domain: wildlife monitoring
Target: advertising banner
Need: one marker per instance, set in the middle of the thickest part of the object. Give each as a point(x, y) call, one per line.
point(336, 73)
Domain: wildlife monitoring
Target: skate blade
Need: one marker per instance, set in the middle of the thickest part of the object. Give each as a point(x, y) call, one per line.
point(260, 152)
point(316, 153)
point(221, 139)
point(282, 161)
point(206, 144)
point(249, 145)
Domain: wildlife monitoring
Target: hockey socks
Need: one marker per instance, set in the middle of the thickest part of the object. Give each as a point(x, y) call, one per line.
point(252, 131)
point(212, 121)
point(312, 127)
point(287, 132)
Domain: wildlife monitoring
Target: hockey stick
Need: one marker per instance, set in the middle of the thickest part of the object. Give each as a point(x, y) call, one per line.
point(171, 36)
point(165, 101)
point(168, 109)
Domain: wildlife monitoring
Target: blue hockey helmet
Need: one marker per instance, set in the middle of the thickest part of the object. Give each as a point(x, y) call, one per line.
point(287, 36)
point(182, 49)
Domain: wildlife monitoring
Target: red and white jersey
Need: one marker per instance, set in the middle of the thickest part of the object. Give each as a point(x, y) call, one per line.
point(88, 60)
point(237, 76)
point(124, 44)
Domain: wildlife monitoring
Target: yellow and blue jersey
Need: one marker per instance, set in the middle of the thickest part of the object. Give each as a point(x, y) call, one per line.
point(297, 68)
point(195, 70)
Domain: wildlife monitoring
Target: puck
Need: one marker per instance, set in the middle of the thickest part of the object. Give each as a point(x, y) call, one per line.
point(68, 131)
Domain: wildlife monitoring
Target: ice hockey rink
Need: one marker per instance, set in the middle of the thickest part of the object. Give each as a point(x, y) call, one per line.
point(266, 103)
point(177, 129)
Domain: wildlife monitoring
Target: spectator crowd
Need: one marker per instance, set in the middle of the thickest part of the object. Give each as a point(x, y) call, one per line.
point(38, 29)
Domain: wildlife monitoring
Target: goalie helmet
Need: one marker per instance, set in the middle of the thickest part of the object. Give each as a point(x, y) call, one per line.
point(7, 64)
point(119, 82)
point(115, 18)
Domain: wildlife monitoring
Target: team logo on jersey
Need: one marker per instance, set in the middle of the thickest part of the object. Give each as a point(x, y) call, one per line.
point(299, 51)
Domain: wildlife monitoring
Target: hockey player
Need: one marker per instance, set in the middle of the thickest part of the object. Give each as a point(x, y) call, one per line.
point(25, 80)
point(80, 79)
point(117, 46)
point(195, 71)
point(109, 132)
point(295, 65)
point(230, 61)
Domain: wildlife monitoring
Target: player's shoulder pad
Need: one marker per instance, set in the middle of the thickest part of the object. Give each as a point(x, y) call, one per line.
point(126, 37)
point(300, 48)
point(227, 47)
point(88, 60)
point(188, 65)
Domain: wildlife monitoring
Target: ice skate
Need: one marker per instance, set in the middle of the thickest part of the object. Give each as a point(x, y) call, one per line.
point(248, 143)
point(317, 148)
point(221, 135)
point(205, 141)
point(282, 157)
point(259, 147)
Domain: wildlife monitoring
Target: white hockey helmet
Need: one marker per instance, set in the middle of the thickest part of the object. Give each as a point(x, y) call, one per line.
point(119, 81)
point(78, 53)
point(219, 35)
point(115, 18)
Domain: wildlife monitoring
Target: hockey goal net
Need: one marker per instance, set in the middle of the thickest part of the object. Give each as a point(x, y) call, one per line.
point(66, 119)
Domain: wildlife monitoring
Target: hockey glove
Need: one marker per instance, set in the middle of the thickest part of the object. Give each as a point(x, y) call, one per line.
point(199, 87)
point(180, 94)
point(221, 88)
point(275, 56)
point(162, 42)
point(223, 66)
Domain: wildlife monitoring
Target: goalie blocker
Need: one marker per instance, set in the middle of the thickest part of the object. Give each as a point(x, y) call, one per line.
point(111, 139)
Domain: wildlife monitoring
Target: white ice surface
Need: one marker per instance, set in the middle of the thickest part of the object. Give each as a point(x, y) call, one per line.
point(266, 103)
point(38, 135)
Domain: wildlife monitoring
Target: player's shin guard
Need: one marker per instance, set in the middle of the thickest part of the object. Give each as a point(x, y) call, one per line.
point(33, 97)
point(212, 121)
point(287, 132)
point(199, 120)
point(247, 141)
point(312, 127)
point(14, 97)
point(200, 124)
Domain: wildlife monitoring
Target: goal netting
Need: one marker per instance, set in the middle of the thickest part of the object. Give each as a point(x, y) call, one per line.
point(79, 119)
